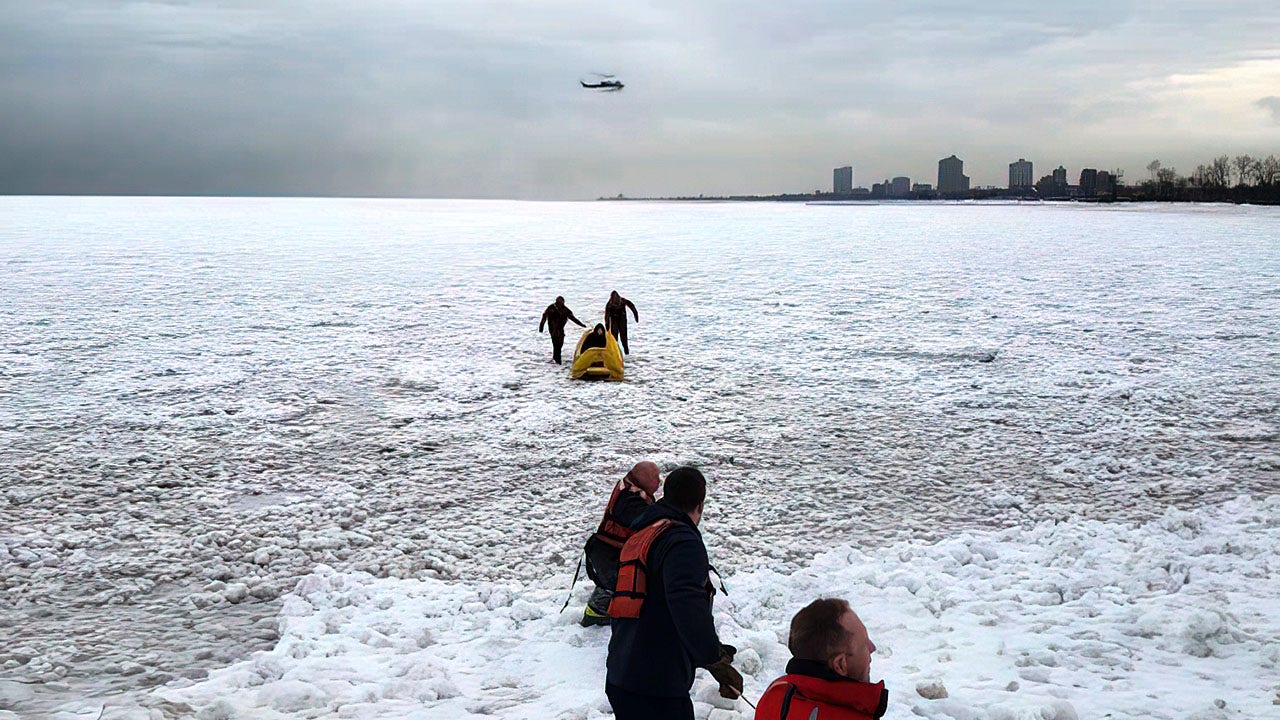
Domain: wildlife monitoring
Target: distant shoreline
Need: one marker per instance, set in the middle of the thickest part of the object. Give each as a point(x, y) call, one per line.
point(812, 198)
point(832, 199)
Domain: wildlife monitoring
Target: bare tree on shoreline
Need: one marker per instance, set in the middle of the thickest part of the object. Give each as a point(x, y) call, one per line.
point(1257, 181)
point(1268, 170)
point(1244, 168)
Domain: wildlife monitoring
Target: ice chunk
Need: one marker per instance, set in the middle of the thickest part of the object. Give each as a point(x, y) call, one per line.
point(931, 690)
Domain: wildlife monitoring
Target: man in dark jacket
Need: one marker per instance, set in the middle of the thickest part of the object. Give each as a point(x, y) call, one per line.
point(630, 498)
point(653, 651)
point(555, 316)
point(829, 675)
point(615, 318)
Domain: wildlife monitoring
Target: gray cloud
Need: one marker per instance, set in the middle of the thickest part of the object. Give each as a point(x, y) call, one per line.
point(1271, 104)
point(455, 99)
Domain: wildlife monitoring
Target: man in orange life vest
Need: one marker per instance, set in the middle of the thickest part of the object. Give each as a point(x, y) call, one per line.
point(631, 496)
point(829, 674)
point(661, 610)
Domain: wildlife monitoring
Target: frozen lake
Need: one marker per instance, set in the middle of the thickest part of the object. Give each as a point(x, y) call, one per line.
point(203, 399)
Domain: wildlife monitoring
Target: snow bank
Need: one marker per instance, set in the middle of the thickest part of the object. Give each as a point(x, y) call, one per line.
point(1174, 618)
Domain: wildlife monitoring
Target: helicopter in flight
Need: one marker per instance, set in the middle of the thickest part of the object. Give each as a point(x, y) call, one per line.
point(603, 82)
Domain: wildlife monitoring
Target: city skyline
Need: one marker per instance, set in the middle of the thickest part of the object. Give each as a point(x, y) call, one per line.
point(950, 179)
point(462, 100)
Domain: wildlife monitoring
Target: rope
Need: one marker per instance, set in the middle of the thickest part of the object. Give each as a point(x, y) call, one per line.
point(575, 582)
point(719, 577)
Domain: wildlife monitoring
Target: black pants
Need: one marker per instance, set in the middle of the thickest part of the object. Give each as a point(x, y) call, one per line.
point(557, 342)
point(618, 328)
point(602, 568)
point(633, 706)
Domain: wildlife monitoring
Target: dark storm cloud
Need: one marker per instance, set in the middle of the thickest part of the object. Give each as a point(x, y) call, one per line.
point(472, 99)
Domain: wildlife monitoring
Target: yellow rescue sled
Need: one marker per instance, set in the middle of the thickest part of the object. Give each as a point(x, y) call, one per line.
point(597, 363)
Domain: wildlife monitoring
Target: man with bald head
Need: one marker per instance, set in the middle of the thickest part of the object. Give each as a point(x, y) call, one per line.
point(829, 675)
point(630, 497)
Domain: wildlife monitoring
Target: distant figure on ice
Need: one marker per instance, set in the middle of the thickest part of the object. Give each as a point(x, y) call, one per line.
point(661, 610)
point(829, 675)
point(556, 315)
point(630, 497)
point(615, 317)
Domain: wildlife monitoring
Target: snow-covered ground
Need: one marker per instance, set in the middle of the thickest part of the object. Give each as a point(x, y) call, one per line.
point(202, 401)
point(1079, 619)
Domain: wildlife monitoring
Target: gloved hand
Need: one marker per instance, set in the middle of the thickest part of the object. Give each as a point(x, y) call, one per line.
point(730, 680)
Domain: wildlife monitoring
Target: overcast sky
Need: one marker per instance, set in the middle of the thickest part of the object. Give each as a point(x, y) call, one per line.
point(466, 98)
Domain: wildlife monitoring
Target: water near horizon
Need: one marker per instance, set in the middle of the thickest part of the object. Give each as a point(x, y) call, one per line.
point(201, 399)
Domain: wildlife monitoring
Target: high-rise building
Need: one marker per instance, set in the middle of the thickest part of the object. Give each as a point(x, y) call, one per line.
point(1020, 177)
point(1088, 182)
point(1106, 183)
point(951, 177)
point(842, 180)
point(900, 187)
point(1060, 178)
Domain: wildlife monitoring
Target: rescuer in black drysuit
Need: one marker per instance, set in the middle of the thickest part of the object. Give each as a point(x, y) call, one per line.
point(615, 317)
point(555, 316)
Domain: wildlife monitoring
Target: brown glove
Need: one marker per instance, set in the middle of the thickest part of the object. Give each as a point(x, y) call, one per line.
point(730, 680)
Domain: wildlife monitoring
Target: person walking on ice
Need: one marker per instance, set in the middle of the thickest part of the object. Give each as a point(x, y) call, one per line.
point(555, 316)
point(615, 318)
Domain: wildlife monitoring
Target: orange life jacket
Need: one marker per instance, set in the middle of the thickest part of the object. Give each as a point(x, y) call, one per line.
point(797, 697)
point(628, 596)
point(611, 531)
